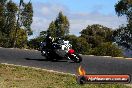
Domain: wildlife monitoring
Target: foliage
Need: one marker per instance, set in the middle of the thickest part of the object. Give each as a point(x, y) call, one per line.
point(107, 49)
point(35, 43)
point(4, 41)
point(96, 34)
point(99, 39)
point(43, 34)
point(52, 29)
point(7, 17)
point(124, 7)
point(79, 44)
point(59, 27)
point(123, 37)
point(21, 41)
point(26, 17)
point(15, 21)
point(82, 46)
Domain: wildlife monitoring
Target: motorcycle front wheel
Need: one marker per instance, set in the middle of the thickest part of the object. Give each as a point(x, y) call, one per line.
point(76, 58)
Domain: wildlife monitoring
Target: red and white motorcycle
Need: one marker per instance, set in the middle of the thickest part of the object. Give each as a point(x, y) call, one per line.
point(63, 50)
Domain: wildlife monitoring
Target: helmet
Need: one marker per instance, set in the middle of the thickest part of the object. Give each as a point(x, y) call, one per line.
point(59, 38)
point(50, 37)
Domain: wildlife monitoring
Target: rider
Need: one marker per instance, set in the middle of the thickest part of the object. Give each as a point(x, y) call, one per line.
point(49, 41)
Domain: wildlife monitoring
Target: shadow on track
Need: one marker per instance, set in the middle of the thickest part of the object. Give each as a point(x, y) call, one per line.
point(46, 60)
point(37, 59)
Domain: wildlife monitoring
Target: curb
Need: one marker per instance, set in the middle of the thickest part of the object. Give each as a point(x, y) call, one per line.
point(30, 49)
point(106, 56)
point(39, 69)
point(21, 49)
point(90, 55)
point(94, 55)
point(129, 58)
point(109, 56)
point(119, 57)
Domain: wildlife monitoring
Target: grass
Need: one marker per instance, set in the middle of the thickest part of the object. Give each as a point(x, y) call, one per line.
point(24, 77)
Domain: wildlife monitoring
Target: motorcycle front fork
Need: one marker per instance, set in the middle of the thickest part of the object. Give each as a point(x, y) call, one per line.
point(69, 58)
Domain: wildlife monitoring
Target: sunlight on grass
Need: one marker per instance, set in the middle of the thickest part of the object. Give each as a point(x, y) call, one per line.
point(22, 77)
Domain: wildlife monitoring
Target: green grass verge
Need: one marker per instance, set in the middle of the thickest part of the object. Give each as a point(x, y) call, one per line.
point(24, 77)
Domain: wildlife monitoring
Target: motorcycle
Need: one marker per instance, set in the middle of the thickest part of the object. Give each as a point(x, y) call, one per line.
point(61, 50)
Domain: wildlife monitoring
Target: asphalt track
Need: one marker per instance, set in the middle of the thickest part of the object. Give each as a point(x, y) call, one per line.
point(92, 64)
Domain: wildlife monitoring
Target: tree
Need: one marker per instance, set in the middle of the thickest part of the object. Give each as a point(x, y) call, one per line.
point(21, 41)
point(107, 49)
point(122, 37)
point(10, 24)
point(2, 16)
point(13, 18)
point(24, 18)
point(8, 12)
point(59, 27)
point(52, 29)
point(82, 46)
point(43, 33)
point(62, 25)
point(35, 43)
point(96, 34)
point(79, 44)
point(27, 17)
point(99, 41)
point(7, 17)
point(124, 7)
